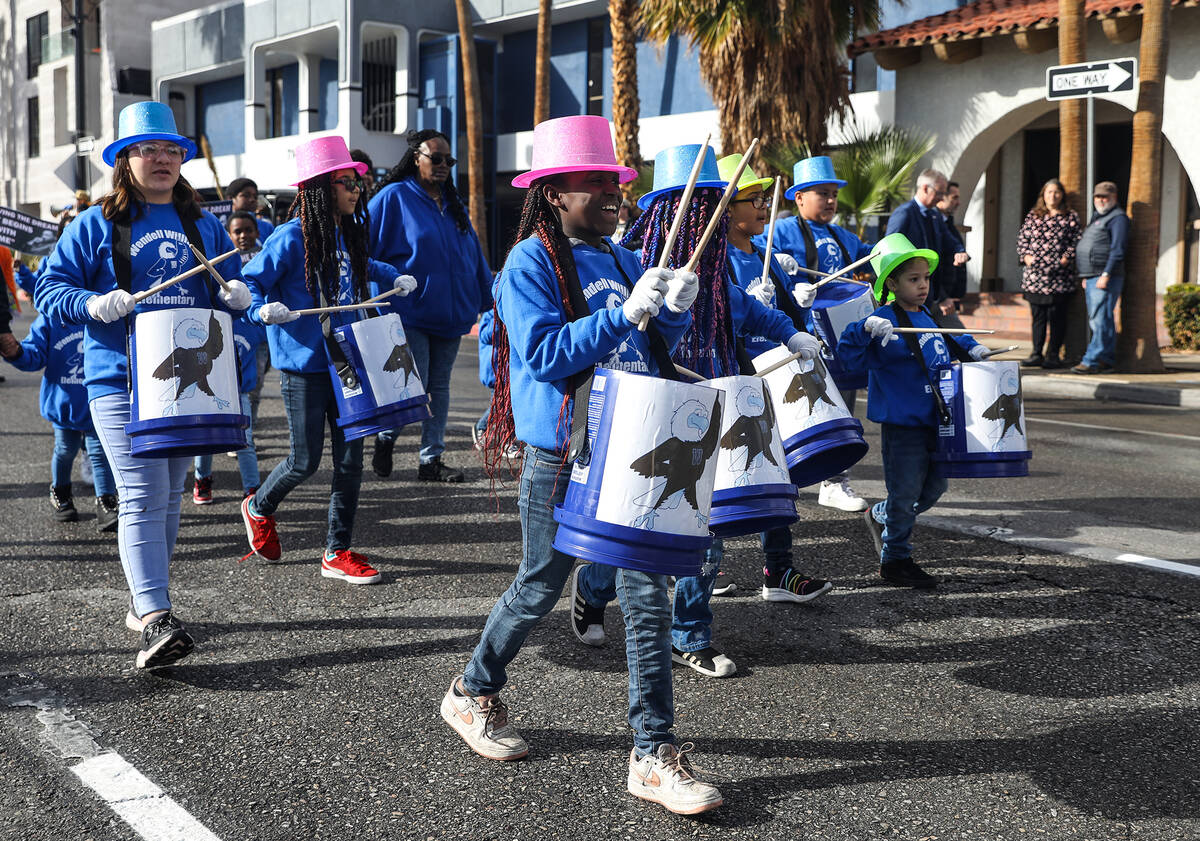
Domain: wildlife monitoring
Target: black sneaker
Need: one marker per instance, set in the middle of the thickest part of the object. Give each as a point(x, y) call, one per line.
point(724, 585)
point(1033, 360)
point(905, 573)
point(437, 471)
point(164, 643)
point(381, 460)
point(707, 661)
point(875, 528)
point(791, 586)
point(106, 512)
point(586, 621)
point(62, 503)
point(1053, 363)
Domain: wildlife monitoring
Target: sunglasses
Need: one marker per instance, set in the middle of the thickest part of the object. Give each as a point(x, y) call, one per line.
point(153, 150)
point(758, 201)
point(349, 184)
point(438, 159)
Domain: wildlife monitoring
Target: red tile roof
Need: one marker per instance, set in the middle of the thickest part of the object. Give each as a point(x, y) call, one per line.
point(985, 18)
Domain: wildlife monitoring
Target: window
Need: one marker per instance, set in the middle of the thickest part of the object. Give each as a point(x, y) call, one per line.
point(283, 103)
point(379, 84)
point(597, 28)
point(33, 140)
point(36, 28)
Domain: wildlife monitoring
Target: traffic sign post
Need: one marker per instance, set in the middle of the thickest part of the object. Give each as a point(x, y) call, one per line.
point(1075, 81)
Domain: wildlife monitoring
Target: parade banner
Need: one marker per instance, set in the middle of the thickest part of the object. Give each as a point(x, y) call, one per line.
point(27, 234)
point(220, 209)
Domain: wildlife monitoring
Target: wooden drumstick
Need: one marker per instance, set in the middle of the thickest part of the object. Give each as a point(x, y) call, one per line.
point(200, 258)
point(838, 274)
point(154, 290)
point(381, 296)
point(766, 275)
point(730, 191)
point(688, 373)
point(673, 232)
point(949, 331)
point(999, 351)
point(777, 365)
point(340, 308)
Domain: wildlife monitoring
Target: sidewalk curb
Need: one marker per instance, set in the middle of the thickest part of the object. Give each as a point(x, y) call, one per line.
point(1098, 389)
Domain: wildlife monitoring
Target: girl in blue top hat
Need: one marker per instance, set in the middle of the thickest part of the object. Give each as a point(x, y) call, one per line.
point(563, 257)
point(722, 313)
point(135, 238)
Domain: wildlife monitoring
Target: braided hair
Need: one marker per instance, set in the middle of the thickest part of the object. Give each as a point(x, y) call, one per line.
point(707, 344)
point(320, 223)
point(538, 219)
point(408, 168)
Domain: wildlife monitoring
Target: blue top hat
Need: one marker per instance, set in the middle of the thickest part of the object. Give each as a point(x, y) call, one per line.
point(672, 167)
point(146, 121)
point(810, 172)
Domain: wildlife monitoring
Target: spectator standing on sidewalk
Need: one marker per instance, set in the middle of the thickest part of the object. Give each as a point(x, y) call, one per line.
point(923, 224)
point(1100, 260)
point(956, 275)
point(1046, 247)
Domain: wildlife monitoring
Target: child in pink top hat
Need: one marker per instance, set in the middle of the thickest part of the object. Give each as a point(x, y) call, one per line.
point(566, 302)
point(317, 258)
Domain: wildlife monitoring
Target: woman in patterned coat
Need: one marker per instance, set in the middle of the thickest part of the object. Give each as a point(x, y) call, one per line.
point(1046, 246)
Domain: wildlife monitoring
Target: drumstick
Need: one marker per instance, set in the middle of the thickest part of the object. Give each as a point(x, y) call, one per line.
point(204, 262)
point(341, 308)
point(949, 331)
point(766, 275)
point(999, 351)
point(777, 365)
point(684, 201)
point(394, 291)
point(838, 274)
point(719, 213)
point(688, 373)
point(812, 271)
point(154, 290)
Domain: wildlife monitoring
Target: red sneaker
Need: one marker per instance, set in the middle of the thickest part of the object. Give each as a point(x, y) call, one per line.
point(264, 540)
point(349, 566)
point(202, 491)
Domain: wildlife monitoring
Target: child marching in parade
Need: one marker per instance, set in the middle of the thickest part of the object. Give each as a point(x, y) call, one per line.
point(135, 238)
point(316, 259)
point(903, 397)
point(565, 303)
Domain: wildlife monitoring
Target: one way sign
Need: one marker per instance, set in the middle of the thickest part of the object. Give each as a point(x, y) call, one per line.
point(1071, 81)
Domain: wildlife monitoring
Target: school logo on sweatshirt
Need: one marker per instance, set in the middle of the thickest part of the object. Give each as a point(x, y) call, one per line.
point(162, 255)
point(71, 346)
point(605, 293)
point(829, 254)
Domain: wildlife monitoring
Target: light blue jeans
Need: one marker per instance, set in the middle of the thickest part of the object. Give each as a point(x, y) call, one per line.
point(247, 458)
point(914, 484)
point(66, 446)
point(541, 576)
point(150, 490)
point(1101, 304)
point(434, 357)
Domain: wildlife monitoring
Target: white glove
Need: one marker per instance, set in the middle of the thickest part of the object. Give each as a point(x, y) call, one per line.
point(979, 353)
point(805, 294)
point(880, 328)
point(238, 296)
point(682, 289)
point(802, 343)
point(406, 283)
point(787, 262)
point(111, 306)
point(764, 293)
point(647, 295)
point(276, 312)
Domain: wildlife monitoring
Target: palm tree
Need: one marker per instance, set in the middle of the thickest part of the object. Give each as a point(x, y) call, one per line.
point(541, 85)
point(776, 70)
point(1137, 346)
point(1072, 133)
point(625, 103)
point(474, 114)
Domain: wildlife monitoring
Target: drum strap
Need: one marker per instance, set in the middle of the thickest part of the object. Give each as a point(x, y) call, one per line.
point(810, 246)
point(914, 347)
point(744, 363)
point(345, 371)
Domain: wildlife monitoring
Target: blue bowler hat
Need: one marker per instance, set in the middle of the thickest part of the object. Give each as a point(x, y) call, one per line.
point(146, 121)
point(810, 172)
point(672, 167)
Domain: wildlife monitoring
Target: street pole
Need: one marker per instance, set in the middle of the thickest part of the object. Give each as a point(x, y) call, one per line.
point(1091, 151)
point(81, 161)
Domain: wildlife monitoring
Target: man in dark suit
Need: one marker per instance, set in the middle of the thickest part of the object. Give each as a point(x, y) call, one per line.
point(922, 222)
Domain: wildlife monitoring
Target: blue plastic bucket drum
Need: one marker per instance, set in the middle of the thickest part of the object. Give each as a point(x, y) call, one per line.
point(185, 399)
point(640, 494)
point(752, 492)
point(837, 305)
point(383, 390)
point(820, 437)
point(986, 434)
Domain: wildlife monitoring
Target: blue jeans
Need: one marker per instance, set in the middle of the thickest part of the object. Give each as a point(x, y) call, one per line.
point(309, 403)
point(150, 490)
point(247, 458)
point(777, 547)
point(914, 484)
point(262, 362)
point(541, 576)
point(66, 445)
point(1102, 346)
point(434, 357)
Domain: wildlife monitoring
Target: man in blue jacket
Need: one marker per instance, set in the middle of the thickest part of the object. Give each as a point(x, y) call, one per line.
point(922, 222)
point(1100, 260)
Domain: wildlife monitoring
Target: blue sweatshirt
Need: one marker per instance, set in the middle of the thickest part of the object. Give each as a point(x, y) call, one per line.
point(264, 229)
point(546, 349)
point(81, 266)
point(453, 280)
point(26, 278)
point(747, 272)
point(64, 400)
point(898, 390)
point(789, 239)
point(487, 375)
point(277, 274)
point(247, 336)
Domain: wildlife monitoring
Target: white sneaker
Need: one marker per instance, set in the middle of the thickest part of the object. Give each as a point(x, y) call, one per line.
point(666, 777)
point(837, 493)
point(483, 724)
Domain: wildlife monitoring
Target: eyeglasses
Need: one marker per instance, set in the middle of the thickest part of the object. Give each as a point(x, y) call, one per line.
point(438, 159)
point(153, 150)
point(349, 184)
point(758, 201)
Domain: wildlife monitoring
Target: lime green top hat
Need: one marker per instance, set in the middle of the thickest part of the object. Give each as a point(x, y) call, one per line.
point(728, 165)
point(889, 253)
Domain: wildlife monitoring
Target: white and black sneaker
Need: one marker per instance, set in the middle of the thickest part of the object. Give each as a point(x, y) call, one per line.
point(707, 661)
point(164, 642)
point(724, 585)
point(586, 621)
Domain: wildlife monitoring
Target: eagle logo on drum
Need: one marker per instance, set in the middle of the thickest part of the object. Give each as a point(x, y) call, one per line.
point(811, 384)
point(754, 430)
point(679, 462)
point(400, 361)
point(191, 361)
point(1007, 410)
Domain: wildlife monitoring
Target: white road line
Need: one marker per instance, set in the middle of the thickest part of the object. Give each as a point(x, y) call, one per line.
point(1113, 428)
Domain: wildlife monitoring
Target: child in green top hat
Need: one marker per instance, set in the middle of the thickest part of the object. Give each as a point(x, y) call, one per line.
point(902, 398)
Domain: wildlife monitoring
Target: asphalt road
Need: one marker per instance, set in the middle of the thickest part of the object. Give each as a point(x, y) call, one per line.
point(1036, 694)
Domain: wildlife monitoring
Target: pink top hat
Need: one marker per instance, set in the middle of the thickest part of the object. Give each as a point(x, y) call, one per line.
point(324, 154)
point(573, 144)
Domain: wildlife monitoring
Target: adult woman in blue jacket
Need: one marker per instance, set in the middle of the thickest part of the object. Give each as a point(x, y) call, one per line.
point(420, 226)
point(134, 239)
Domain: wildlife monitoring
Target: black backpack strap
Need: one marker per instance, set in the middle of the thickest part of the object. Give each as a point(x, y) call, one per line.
point(193, 234)
point(914, 347)
point(744, 362)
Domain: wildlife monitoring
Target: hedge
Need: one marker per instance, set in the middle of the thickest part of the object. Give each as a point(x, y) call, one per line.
point(1181, 310)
